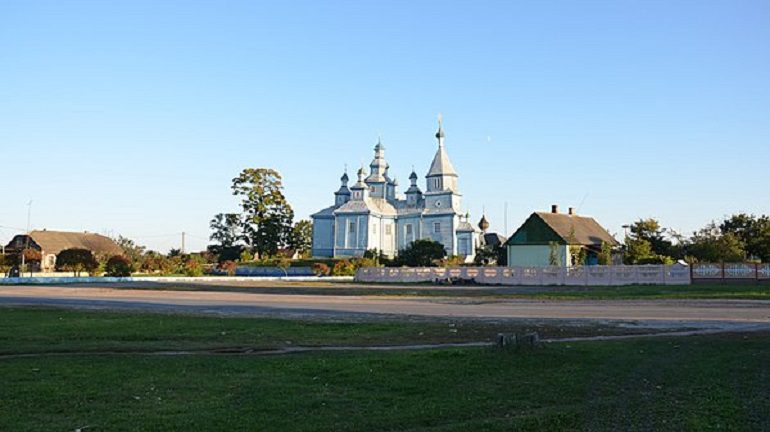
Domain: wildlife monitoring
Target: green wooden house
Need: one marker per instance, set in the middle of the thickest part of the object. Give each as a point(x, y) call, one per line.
point(546, 234)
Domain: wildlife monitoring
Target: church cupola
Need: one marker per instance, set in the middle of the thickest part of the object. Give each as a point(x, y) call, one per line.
point(360, 190)
point(413, 194)
point(378, 178)
point(343, 194)
point(441, 175)
point(483, 223)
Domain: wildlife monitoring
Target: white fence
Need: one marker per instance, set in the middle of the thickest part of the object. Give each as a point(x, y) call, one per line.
point(587, 276)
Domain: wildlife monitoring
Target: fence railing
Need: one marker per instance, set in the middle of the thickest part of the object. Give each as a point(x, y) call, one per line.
point(730, 272)
point(676, 274)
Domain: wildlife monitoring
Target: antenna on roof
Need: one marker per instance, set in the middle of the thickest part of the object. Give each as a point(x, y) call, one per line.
point(581, 202)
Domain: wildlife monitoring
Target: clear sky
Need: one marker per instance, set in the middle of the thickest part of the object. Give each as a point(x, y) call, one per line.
point(132, 117)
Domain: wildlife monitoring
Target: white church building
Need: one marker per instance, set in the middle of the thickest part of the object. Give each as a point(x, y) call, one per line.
point(371, 214)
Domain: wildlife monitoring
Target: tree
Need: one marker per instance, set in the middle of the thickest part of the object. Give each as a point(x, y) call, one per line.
point(710, 245)
point(76, 261)
point(637, 250)
point(553, 253)
point(650, 230)
point(421, 253)
point(605, 255)
point(227, 229)
point(752, 231)
point(118, 266)
point(131, 250)
point(267, 214)
point(302, 237)
point(577, 253)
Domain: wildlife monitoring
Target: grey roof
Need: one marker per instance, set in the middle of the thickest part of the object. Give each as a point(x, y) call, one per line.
point(368, 205)
point(53, 242)
point(327, 212)
point(465, 226)
point(441, 164)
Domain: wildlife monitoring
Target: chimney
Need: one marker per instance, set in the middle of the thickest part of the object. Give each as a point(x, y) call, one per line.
point(571, 211)
point(554, 209)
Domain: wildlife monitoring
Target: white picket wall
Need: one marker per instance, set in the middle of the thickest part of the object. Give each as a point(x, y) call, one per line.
point(534, 276)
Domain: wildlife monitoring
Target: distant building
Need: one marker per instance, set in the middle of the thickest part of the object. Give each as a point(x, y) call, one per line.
point(531, 244)
point(50, 243)
point(372, 215)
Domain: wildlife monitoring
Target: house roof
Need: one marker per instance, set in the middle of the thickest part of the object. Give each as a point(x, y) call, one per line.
point(571, 229)
point(493, 239)
point(53, 242)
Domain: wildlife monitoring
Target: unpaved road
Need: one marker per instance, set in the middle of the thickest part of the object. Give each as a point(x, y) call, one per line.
point(726, 311)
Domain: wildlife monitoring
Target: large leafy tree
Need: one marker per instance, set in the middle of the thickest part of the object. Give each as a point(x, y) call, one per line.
point(267, 214)
point(651, 231)
point(752, 231)
point(302, 237)
point(227, 229)
point(711, 245)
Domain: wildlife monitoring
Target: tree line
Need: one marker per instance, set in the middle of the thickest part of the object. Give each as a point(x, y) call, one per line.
point(737, 238)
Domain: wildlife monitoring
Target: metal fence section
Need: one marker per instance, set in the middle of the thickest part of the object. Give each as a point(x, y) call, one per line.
point(676, 274)
point(727, 272)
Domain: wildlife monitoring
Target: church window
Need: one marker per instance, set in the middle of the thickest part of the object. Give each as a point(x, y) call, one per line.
point(352, 227)
point(408, 229)
point(437, 183)
point(387, 230)
point(436, 227)
point(374, 229)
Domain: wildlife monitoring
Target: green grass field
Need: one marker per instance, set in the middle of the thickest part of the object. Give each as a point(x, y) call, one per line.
point(696, 383)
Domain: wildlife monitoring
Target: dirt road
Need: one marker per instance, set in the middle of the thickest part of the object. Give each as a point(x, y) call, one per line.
point(734, 311)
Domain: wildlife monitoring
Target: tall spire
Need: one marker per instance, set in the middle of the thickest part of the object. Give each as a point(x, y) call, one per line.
point(379, 166)
point(440, 132)
point(441, 165)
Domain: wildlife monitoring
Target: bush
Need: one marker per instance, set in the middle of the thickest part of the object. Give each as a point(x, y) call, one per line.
point(76, 261)
point(344, 268)
point(321, 269)
point(452, 261)
point(193, 266)
point(364, 262)
point(421, 253)
point(118, 266)
point(228, 267)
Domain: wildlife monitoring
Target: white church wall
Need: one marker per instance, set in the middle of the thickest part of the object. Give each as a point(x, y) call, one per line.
point(323, 237)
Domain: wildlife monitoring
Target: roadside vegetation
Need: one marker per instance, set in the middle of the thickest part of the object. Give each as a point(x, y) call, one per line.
point(716, 382)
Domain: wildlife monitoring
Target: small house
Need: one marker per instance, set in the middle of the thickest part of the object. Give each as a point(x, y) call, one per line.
point(50, 243)
point(548, 238)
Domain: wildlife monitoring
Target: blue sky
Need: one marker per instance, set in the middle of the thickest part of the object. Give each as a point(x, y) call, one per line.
point(133, 117)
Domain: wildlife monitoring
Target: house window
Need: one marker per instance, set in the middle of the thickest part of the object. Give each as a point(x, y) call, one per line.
point(436, 227)
point(352, 227)
point(387, 230)
point(408, 229)
point(372, 189)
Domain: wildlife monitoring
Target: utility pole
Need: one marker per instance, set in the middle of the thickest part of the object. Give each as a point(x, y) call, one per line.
point(183, 234)
point(505, 219)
